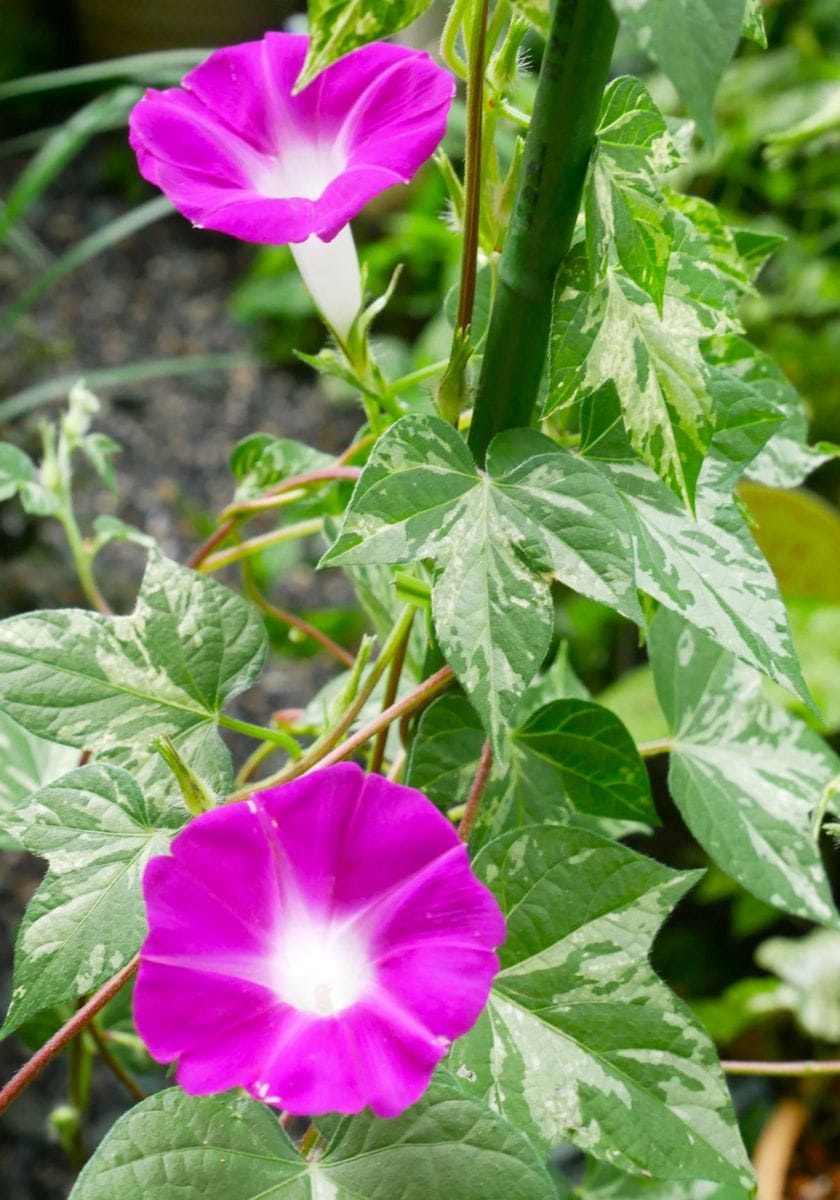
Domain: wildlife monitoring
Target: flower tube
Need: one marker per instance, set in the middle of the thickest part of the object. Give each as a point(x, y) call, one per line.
point(237, 151)
point(319, 945)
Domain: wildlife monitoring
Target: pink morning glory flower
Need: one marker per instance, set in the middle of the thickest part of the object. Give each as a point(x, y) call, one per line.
point(319, 945)
point(235, 150)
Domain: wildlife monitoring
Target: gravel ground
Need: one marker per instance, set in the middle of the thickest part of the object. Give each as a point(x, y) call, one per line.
point(163, 292)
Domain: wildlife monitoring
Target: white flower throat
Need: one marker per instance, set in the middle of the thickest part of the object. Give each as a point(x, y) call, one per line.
point(321, 967)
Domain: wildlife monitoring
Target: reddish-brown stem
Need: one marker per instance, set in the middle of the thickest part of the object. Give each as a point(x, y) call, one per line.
point(280, 614)
point(377, 754)
point(413, 702)
point(325, 475)
point(31, 1069)
point(479, 783)
point(114, 1065)
point(230, 517)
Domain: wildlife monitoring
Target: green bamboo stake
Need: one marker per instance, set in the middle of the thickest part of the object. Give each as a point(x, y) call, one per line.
point(557, 148)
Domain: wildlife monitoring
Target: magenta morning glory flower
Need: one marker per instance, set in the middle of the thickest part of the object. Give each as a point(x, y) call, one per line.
point(236, 151)
point(319, 945)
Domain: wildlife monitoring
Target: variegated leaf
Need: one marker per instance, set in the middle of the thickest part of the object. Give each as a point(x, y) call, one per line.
point(168, 668)
point(97, 829)
point(746, 775)
point(497, 539)
point(338, 26)
point(27, 763)
point(613, 334)
point(711, 573)
point(580, 1040)
point(627, 219)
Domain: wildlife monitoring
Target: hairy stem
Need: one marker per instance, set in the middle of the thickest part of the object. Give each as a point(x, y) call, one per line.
point(815, 1066)
point(557, 149)
point(35, 1065)
point(277, 737)
point(472, 166)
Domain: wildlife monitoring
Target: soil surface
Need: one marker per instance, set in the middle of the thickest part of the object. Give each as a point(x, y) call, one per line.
point(162, 293)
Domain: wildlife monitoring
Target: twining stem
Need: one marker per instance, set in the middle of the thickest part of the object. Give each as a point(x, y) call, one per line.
point(333, 736)
point(280, 614)
point(114, 1065)
point(35, 1065)
point(816, 1066)
point(472, 166)
point(557, 148)
point(416, 700)
point(277, 737)
point(485, 763)
point(377, 754)
point(235, 513)
point(275, 537)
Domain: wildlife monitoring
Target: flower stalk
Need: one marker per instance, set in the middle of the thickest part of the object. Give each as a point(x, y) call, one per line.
point(557, 148)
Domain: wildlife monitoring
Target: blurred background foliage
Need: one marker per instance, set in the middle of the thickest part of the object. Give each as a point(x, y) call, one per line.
point(766, 987)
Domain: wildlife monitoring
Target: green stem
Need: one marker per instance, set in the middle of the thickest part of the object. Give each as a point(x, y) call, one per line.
point(287, 533)
point(557, 148)
point(81, 559)
point(472, 169)
point(419, 376)
point(324, 744)
point(277, 737)
point(377, 754)
point(829, 792)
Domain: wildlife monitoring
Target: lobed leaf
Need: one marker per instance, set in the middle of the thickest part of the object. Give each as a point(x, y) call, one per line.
point(746, 775)
point(112, 684)
point(445, 1145)
point(97, 830)
point(496, 538)
point(580, 1040)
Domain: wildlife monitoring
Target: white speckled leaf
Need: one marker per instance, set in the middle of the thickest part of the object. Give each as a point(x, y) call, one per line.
point(603, 1182)
point(26, 764)
point(745, 774)
point(754, 23)
point(613, 334)
point(497, 539)
point(97, 831)
point(692, 41)
point(710, 572)
point(168, 668)
point(580, 1039)
point(202, 1147)
point(338, 26)
point(626, 217)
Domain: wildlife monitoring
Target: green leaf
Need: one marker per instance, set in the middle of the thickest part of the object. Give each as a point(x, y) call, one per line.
point(16, 470)
point(580, 1039)
point(87, 918)
point(188, 647)
point(26, 764)
point(691, 42)
point(203, 1146)
point(809, 968)
point(710, 571)
point(613, 333)
point(626, 216)
point(745, 775)
point(567, 759)
point(496, 539)
point(338, 26)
